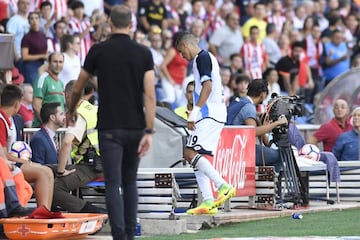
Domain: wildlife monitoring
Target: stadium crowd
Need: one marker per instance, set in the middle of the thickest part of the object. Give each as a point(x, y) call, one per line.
point(307, 43)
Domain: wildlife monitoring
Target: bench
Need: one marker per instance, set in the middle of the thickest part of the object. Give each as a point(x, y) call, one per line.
point(162, 192)
point(348, 190)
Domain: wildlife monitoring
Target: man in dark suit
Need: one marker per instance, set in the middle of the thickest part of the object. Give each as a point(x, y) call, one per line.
point(19, 125)
point(44, 143)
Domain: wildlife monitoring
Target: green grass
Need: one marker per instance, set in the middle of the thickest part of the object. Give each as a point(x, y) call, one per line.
point(334, 223)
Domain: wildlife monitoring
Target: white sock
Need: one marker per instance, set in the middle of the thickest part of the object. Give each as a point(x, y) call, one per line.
point(204, 185)
point(205, 166)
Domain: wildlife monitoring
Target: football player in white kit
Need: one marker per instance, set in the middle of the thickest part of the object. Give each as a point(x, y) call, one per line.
point(206, 121)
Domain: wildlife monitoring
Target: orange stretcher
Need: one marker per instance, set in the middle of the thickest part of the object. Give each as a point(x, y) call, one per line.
point(73, 226)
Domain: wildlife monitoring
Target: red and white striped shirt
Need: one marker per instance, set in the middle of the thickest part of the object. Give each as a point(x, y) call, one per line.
point(254, 59)
point(53, 45)
point(59, 7)
point(74, 27)
point(278, 20)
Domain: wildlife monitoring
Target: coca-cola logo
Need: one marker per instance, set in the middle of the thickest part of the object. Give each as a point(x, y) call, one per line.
point(229, 159)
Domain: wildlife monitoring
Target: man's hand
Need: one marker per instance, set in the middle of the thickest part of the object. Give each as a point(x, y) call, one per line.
point(66, 172)
point(10, 164)
point(281, 121)
point(145, 145)
point(193, 117)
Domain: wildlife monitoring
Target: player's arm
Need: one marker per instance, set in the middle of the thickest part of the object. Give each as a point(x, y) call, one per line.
point(204, 93)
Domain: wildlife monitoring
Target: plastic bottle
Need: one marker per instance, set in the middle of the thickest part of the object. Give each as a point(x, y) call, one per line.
point(138, 227)
point(297, 216)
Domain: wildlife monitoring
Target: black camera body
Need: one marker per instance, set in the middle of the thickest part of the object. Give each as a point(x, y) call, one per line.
point(285, 106)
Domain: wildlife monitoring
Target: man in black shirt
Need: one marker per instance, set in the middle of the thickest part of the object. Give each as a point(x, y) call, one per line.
point(288, 69)
point(126, 115)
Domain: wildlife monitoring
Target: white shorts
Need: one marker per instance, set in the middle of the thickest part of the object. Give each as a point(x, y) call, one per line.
point(204, 139)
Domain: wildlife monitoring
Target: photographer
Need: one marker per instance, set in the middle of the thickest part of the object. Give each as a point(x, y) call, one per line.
point(242, 111)
point(83, 137)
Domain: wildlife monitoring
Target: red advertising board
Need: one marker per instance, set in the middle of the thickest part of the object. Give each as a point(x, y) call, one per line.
point(234, 159)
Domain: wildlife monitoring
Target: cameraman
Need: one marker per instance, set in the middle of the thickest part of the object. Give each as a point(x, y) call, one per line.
point(83, 137)
point(242, 111)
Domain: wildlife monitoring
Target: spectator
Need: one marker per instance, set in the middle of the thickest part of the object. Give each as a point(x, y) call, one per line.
point(184, 111)
point(276, 16)
point(33, 49)
point(44, 144)
point(47, 19)
point(70, 46)
point(272, 77)
point(59, 8)
point(313, 51)
point(108, 4)
point(80, 25)
point(270, 44)
point(288, 69)
point(329, 132)
point(26, 111)
point(336, 57)
point(242, 81)
point(152, 13)
point(225, 79)
point(157, 53)
point(347, 144)
point(318, 13)
point(226, 40)
point(53, 44)
point(173, 19)
point(256, 20)
point(197, 12)
point(173, 69)
point(299, 18)
point(48, 87)
point(254, 55)
point(18, 25)
point(242, 111)
point(34, 173)
point(81, 142)
point(197, 28)
point(309, 23)
point(236, 64)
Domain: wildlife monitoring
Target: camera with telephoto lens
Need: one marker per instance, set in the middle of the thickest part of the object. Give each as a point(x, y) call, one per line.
point(285, 106)
point(93, 159)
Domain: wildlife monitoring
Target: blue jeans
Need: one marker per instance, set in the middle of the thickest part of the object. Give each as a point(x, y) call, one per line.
point(118, 149)
point(30, 69)
point(271, 157)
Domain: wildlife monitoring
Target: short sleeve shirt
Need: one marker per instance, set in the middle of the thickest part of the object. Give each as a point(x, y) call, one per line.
point(49, 90)
point(329, 132)
point(286, 66)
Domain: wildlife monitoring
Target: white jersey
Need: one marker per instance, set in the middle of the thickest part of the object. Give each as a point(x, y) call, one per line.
point(206, 67)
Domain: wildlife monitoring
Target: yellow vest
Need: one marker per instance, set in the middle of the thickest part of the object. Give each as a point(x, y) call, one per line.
point(89, 113)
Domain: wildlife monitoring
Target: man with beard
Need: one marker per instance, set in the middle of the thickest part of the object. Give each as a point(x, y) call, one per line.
point(48, 88)
point(242, 111)
point(44, 144)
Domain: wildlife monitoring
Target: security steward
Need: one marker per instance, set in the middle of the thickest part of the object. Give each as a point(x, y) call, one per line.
point(81, 140)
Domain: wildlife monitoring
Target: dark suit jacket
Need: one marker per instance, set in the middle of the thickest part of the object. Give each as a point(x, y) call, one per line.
point(19, 125)
point(43, 149)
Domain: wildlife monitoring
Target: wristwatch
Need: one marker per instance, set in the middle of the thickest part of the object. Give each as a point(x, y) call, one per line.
point(149, 131)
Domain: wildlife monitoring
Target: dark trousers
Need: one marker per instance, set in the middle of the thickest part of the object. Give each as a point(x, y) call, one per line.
point(118, 149)
point(63, 185)
point(30, 69)
point(271, 157)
